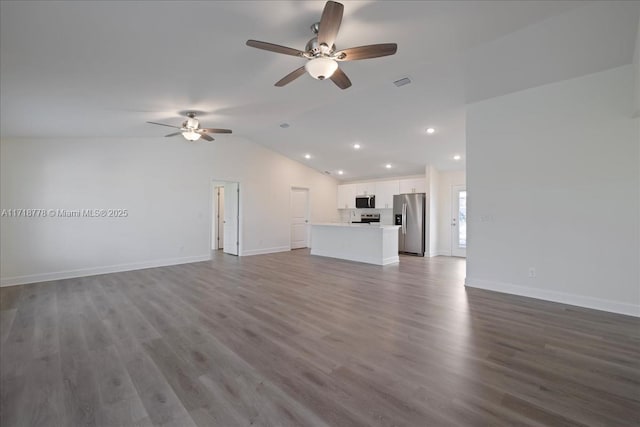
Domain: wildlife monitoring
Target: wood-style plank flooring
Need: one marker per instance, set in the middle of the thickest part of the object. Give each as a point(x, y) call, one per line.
point(293, 340)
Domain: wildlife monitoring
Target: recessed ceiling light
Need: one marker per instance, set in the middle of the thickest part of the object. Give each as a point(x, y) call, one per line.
point(284, 125)
point(307, 156)
point(340, 172)
point(356, 146)
point(456, 157)
point(388, 166)
point(431, 131)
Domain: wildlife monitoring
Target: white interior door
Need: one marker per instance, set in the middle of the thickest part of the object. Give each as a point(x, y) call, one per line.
point(299, 218)
point(220, 219)
point(459, 221)
point(231, 211)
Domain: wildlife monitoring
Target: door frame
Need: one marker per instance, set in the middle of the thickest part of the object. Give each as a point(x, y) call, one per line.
point(212, 185)
point(308, 213)
point(455, 189)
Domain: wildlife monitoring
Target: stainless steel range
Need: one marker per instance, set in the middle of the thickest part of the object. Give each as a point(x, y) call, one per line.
point(367, 219)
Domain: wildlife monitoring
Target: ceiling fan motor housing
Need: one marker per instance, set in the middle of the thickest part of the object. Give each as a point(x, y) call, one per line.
point(316, 49)
point(191, 123)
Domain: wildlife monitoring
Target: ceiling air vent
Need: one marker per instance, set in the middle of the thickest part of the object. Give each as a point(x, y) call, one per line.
point(403, 81)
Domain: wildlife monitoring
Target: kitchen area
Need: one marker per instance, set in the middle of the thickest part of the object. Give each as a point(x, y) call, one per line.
point(379, 220)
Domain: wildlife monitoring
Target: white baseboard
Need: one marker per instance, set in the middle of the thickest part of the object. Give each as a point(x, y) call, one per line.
point(561, 297)
point(266, 251)
point(439, 253)
point(366, 260)
point(391, 260)
point(83, 272)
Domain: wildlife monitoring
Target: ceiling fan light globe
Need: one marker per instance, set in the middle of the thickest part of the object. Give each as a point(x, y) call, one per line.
point(191, 135)
point(321, 68)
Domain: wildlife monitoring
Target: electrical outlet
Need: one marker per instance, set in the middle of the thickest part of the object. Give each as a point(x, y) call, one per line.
point(532, 272)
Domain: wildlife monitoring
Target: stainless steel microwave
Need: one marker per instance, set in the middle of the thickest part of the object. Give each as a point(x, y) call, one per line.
point(365, 202)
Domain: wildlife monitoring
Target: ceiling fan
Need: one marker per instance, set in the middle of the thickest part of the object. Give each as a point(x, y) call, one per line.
point(321, 51)
point(191, 129)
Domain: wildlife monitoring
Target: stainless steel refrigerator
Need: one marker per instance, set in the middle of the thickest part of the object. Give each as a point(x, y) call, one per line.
point(409, 212)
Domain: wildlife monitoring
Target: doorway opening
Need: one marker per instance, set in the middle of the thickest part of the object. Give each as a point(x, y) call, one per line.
point(217, 239)
point(299, 212)
point(225, 218)
point(459, 221)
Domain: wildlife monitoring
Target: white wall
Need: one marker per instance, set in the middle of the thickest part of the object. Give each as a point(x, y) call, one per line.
point(636, 73)
point(447, 180)
point(433, 193)
point(636, 64)
point(552, 175)
point(166, 185)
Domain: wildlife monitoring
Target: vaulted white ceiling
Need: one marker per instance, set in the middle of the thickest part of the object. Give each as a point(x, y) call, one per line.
point(101, 69)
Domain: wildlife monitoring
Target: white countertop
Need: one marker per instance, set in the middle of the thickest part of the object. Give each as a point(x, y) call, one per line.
point(344, 224)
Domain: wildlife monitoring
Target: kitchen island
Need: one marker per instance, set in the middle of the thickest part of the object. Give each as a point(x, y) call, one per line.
point(369, 243)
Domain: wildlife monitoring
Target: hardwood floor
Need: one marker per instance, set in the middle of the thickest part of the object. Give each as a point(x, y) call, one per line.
point(293, 340)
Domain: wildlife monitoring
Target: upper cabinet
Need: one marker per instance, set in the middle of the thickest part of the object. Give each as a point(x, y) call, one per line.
point(385, 190)
point(366, 189)
point(347, 196)
point(413, 185)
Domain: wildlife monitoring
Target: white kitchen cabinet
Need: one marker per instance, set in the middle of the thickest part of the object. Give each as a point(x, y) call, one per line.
point(413, 185)
point(366, 189)
point(373, 244)
point(347, 196)
point(385, 190)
